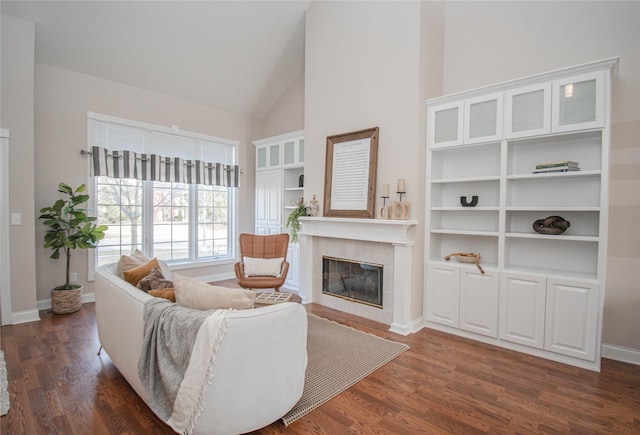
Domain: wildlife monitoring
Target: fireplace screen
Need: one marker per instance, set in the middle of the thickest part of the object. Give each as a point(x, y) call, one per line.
point(353, 280)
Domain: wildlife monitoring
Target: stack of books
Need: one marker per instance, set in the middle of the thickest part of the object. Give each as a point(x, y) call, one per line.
point(564, 166)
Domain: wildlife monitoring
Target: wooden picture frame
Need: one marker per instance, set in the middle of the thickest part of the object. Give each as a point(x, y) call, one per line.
point(350, 174)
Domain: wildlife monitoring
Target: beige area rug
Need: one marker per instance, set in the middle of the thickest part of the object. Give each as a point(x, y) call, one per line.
point(4, 392)
point(339, 357)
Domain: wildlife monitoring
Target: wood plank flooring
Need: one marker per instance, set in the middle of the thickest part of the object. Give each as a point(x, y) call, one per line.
point(443, 384)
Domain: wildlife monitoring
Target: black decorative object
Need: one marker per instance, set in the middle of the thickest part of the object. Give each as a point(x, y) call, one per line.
point(553, 225)
point(301, 181)
point(466, 203)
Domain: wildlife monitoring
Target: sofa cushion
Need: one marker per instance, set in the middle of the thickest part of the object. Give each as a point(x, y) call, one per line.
point(262, 266)
point(134, 275)
point(166, 293)
point(199, 295)
point(154, 281)
point(128, 262)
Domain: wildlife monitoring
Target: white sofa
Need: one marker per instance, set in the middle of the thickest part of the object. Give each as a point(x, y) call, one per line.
point(260, 365)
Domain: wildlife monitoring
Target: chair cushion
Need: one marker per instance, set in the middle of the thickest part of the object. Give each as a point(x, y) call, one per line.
point(262, 266)
point(198, 295)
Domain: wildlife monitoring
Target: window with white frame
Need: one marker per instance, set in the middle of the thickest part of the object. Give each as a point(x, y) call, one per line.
point(167, 192)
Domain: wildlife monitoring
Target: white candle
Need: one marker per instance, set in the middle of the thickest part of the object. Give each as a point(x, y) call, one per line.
point(385, 190)
point(401, 185)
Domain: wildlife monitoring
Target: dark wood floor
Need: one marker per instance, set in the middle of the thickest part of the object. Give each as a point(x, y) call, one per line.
point(443, 384)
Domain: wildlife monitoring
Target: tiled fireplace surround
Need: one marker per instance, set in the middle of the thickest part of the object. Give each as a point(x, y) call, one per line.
point(386, 242)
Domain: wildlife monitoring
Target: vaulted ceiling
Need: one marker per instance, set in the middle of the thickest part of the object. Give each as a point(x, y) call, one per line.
point(238, 56)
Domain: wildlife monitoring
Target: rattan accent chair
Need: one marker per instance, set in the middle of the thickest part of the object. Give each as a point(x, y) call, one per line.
point(254, 246)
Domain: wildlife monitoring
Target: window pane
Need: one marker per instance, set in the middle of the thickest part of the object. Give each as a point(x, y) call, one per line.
point(118, 205)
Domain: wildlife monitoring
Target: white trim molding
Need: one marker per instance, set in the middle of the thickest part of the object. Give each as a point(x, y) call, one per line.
point(622, 354)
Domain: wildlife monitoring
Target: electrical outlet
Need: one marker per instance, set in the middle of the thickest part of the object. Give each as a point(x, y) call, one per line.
point(74, 277)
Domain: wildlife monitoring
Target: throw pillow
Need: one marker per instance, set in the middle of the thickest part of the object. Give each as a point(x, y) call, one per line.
point(166, 293)
point(262, 266)
point(128, 262)
point(134, 275)
point(198, 295)
point(154, 281)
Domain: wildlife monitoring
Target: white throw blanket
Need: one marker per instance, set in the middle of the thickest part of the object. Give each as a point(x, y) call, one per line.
point(176, 365)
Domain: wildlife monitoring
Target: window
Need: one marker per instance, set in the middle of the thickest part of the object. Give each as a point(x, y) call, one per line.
point(176, 221)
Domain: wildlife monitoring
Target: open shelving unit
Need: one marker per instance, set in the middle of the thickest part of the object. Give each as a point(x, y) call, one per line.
point(540, 294)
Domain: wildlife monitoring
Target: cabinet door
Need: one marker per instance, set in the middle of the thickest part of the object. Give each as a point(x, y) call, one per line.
point(261, 157)
point(572, 318)
point(443, 294)
point(483, 119)
point(293, 257)
point(479, 301)
point(578, 102)
point(293, 152)
point(445, 125)
point(269, 201)
point(528, 111)
point(522, 307)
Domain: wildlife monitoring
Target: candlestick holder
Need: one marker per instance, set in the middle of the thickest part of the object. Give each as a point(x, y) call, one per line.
point(401, 193)
point(384, 211)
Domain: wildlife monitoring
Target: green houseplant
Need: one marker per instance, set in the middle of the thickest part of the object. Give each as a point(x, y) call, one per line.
point(69, 228)
point(292, 220)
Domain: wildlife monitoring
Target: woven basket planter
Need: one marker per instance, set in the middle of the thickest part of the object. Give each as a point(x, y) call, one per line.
point(66, 301)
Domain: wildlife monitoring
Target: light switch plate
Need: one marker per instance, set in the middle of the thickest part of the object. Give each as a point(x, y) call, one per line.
point(16, 219)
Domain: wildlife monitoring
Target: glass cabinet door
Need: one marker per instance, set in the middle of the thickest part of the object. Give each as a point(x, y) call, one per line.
point(528, 111)
point(289, 153)
point(301, 151)
point(261, 158)
point(578, 102)
point(483, 119)
point(274, 156)
point(445, 125)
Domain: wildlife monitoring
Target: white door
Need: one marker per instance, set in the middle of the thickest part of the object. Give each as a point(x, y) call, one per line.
point(483, 119)
point(479, 301)
point(445, 124)
point(528, 111)
point(522, 307)
point(572, 318)
point(578, 102)
point(443, 294)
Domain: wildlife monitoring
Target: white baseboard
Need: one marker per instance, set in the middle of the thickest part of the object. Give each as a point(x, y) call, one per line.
point(413, 326)
point(217, 277)
point(45, 304)
point(25, 316)
point(622, 354)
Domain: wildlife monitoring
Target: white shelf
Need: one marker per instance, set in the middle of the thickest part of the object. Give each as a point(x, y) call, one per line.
point(294, 189)
point(466, 179)
point(551, 273)
point(460, 208)
point(552, 208)
point(572, 174)
point(465, 232)
point(486, 266)
point(553, 237)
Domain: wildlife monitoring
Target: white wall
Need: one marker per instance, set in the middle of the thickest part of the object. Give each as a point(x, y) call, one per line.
point(287, 115)
point(62, 100)
point(18, 51)
point(490, 42)
point(363, 70)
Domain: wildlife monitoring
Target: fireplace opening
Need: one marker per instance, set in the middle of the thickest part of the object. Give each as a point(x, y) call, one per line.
point(352, 280)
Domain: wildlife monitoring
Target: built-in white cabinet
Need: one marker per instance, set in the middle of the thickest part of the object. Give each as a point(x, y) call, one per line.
point(463, 297)
point(279, 188)
point(486, 186)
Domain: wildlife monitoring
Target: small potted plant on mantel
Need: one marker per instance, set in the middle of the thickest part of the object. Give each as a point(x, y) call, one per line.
point(70, 227)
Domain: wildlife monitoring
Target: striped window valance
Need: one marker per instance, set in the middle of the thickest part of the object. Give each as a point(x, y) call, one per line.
point(153, 167)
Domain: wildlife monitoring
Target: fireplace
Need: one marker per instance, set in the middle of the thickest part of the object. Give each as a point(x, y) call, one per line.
point(381, 242)
point(352, 280)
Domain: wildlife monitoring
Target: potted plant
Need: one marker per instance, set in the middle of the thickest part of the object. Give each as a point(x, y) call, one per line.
point(70, 227)
point(292, 220)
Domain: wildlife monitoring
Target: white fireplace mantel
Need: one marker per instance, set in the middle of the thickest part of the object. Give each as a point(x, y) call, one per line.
point(399, 233)
point(371, 230)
